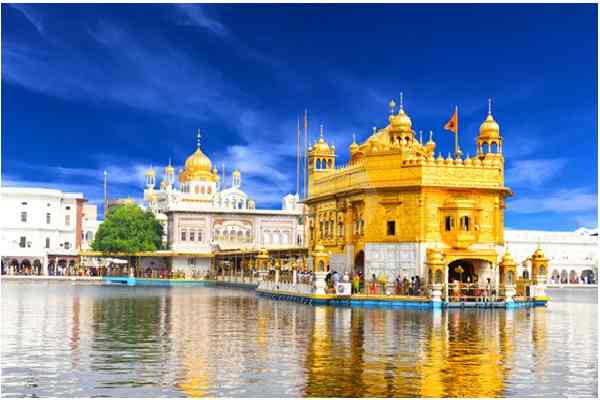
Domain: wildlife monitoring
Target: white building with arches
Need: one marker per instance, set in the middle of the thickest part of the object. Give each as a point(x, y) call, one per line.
point(572, 256)
point(202, 217)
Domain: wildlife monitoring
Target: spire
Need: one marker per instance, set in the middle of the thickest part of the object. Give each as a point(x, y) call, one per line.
point(490, 106)
point(392, 106)
point(374, 129)
point(420, 137)
point(353, 137)
point(321, 131)
point(430, 137)
point(170, 162)
point(198, 135)
point(401, 101)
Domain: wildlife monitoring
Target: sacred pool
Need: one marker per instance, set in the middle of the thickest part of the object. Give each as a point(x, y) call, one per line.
point(71, 339)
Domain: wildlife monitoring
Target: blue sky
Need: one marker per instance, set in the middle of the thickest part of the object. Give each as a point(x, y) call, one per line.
point(119, 87)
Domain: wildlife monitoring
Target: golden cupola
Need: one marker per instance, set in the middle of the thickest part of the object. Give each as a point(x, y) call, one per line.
point(197, 166)
point(489, 141)
point(321, 145)
point(489, 128)
point(401, 121)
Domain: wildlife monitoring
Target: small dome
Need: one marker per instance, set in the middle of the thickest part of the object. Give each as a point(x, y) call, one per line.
point(321, 146)
point(538, 252)
point(401, 121)
point(507, 259)
point(150, 172)
point(489, 129)
point(236, 172)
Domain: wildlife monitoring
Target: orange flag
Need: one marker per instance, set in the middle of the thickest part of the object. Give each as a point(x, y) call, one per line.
point(452, 124)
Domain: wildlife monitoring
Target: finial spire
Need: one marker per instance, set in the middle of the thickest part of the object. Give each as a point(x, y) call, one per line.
point(321, 131)
point(198, 135)
point(490, 106)
point(421, 137)
point(392, 105)
point(402, 101)
point(169, 161)
point(374, 129)
point(430, 137)
point(354, 137)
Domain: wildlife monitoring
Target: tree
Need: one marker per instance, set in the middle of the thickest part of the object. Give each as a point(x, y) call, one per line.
point(128, 229)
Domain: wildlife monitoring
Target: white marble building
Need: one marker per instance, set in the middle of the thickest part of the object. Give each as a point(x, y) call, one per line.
point(201, 217)
point(43, 228)
point(569, 253)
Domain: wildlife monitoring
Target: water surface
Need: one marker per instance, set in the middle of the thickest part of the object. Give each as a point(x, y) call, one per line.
point(68, 340)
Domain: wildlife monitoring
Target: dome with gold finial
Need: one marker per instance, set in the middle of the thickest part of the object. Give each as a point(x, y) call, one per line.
point(539, 253)
point(489, 128)
point(169, 169)
point(507, 259)
point(321, 145)
point(401, 121)
point(150, 172)
point(197, 166)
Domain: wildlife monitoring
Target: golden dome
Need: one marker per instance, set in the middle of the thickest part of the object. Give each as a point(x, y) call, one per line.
point(489, 129)
point(150, 172)
point(236, 172)
point(538, 252)
point(197, 166)
point(169, 169)
point(507, 259)
point(321, 145)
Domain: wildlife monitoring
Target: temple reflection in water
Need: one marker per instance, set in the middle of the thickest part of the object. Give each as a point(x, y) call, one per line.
point(220, 342)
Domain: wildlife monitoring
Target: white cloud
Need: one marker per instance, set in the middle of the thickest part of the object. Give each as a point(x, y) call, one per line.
point(533, 172)
point(578, 200)
point(199, 15)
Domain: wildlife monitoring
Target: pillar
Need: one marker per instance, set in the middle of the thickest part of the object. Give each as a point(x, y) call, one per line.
point(320, 261)
point(436, 269)
point(508, 271)
point(539, 269)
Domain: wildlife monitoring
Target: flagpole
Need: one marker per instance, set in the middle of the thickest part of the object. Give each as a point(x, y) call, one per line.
point(456, 133)
point(298, 157)
point(305, 151)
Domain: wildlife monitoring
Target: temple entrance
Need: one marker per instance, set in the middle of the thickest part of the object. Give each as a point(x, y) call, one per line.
point(359, 263)
point(462, 271)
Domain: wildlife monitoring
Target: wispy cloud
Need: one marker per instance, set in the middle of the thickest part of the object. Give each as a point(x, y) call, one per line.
point(29, 13)
point(577, 200)
point(534, 172)
point(199, 15)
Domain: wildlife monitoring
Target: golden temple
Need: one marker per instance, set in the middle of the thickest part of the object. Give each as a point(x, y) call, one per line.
point(397, 209)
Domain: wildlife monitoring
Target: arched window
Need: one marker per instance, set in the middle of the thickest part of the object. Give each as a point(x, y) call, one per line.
point(330, 163)
point(199, 235)
point(203, 189)
point(542, 270)
point(318, 163)
point(449, 222)
point(486, 147)
point(240, 235)
point(494, 148)
point(240, 205)
point(438, 276)
point(510, 277)
point(197, 189)
point(465, 223)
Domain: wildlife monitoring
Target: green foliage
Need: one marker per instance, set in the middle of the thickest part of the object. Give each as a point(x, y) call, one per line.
point(128, 229)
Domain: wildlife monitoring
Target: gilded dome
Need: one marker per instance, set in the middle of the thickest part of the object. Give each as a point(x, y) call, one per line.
point(197, 166)
point(489, 129)
point(169, 169)
point(508, 259)
point(538, 252)
point(401, 121)
point(321, 146)
point(150, 172)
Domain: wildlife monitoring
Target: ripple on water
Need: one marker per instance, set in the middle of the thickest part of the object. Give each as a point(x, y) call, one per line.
point(65, 340)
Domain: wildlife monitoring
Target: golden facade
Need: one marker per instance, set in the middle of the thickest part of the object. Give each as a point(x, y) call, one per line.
point(396, 196)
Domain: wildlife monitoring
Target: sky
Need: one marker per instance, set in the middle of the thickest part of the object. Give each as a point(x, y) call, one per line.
point(121, 87)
